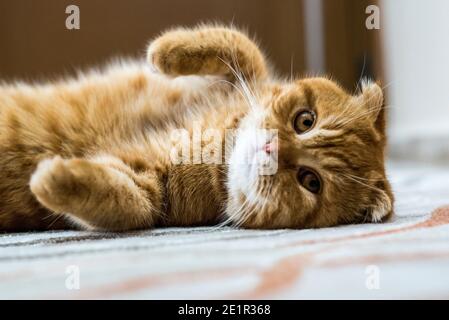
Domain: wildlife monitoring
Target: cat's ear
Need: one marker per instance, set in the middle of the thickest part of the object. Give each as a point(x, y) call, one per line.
point(381, 209)
point(371, 100)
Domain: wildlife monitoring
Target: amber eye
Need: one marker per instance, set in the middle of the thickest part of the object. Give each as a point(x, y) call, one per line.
point(309, 180)
point(304, 121)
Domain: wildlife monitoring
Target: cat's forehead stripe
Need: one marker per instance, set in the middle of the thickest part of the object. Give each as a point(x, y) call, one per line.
point(319, 132)
point(332, 160)
point(329, 133)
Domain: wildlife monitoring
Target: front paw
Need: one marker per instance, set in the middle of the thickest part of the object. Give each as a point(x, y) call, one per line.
point(59, 184)
point(180, 53)
point(161, 58)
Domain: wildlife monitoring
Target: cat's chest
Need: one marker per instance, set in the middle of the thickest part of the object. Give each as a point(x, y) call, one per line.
point(195, 194)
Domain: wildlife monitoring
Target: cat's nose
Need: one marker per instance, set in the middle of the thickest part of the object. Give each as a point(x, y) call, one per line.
point(270, 147)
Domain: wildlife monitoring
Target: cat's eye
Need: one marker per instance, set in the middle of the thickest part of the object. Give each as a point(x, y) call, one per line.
point(309, 180)
point(304, 121)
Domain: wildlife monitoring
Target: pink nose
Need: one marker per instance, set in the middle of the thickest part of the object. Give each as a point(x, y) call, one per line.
point(269, 147)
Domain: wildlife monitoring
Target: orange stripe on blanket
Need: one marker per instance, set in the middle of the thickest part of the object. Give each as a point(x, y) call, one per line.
point(279, 277)
point(439, 217)
point(383, 258)
point(135, 284)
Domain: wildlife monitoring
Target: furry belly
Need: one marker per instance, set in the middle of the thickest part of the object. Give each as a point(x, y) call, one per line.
point(196, 195)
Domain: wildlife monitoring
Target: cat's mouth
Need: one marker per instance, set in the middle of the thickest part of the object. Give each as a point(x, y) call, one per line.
point(256, 152)
point(254, 155)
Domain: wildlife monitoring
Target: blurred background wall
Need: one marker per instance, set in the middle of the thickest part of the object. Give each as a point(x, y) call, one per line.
point(300, 36)
point(416, 48)
point(305, 37)
point(35, 41)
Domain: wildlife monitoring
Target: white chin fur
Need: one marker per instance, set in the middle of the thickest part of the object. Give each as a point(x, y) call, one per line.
point(247, 160)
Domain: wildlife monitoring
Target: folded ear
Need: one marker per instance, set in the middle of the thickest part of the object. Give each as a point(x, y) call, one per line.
point(381, 209)
point(371, 100)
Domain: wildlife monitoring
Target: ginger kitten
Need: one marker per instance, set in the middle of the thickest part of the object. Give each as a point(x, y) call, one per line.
point(96, 152)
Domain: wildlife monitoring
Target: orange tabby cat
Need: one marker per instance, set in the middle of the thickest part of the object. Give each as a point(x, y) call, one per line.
point(96, 151)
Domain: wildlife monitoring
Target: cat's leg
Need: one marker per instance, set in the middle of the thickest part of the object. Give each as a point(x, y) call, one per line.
point(203, 51)
point(101, 193)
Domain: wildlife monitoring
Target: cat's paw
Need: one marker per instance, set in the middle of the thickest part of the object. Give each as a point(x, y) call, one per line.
point(185, 52)
point(58, 184)
point(206, 50)
point(162, 57)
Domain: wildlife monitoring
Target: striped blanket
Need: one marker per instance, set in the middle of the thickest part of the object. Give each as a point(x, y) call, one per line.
point(407, 257)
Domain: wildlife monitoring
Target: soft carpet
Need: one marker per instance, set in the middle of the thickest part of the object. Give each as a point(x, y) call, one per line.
point(407, 257)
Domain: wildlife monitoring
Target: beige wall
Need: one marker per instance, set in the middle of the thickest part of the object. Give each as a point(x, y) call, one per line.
point(35, 42)
point(416, 46)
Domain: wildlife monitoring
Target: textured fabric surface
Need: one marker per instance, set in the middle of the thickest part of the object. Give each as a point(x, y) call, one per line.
point(407, 257)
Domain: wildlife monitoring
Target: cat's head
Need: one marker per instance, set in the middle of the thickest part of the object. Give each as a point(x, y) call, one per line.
point(330, 158)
